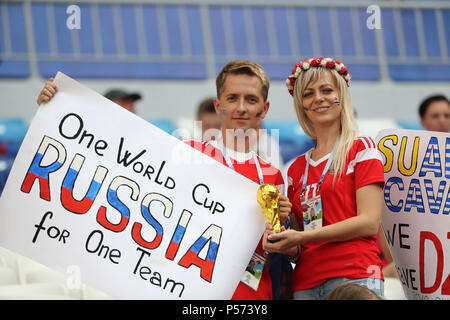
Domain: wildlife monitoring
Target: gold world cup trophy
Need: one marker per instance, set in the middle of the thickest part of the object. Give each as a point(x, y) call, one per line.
point(268, 197)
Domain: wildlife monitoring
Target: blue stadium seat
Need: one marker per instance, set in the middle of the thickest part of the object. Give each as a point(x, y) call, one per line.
point(303, 32)
point(409, 125)
point(431, 31)
point(12, 130)
point(174, 37)
point(129, 30)
point(261, 38)
point(17, 67)
point(390, 38)
point(217, 31)
point(410, 71)
point(9, 149)
point(346, 28)
point(289, 150)
point(325, 33)
point(63, 34)
point(408, 23)
point(5, 167)
point(367, 37)
point(167, 41)
point(125, 70)
point(109, 43)
point(195, 30)
point(446, 20)
point(280, 21)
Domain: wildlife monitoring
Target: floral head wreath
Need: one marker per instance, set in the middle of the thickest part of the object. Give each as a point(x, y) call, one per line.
point(316, 62)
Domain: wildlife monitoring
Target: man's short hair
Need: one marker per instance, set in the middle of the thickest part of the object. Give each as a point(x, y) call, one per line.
point(243, 67)
point(426, 103)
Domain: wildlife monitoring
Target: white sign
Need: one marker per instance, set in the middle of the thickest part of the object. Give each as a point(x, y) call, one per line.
point(416, 220)
point(97, 187)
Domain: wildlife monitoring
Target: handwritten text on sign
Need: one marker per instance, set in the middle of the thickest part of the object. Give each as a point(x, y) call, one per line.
point(416, 209)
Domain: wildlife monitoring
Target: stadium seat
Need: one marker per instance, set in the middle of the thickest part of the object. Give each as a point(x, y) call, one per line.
point(289, 150)
point(168, 41)
point(410, 125)
point(9, 148)
point(292, 140)
point(13, 63)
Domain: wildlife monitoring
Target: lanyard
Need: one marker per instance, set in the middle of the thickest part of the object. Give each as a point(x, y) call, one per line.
point(230, 163)
point(322, 177)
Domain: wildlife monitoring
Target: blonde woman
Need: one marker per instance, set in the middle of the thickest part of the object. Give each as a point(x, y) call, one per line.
point(339, 183)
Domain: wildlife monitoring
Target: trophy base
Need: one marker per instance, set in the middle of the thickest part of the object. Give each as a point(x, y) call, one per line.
point(274, 241)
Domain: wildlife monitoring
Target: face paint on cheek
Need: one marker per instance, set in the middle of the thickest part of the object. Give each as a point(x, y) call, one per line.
point(224, 112)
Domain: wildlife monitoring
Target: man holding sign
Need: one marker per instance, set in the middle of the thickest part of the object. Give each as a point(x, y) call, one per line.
point(242, 89)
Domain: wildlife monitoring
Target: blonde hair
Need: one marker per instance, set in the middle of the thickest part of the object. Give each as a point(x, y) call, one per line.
point(243, 67)
point(349, 128)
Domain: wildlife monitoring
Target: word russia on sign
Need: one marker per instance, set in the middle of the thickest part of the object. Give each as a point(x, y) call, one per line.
point(95, 186)
point(416, 209)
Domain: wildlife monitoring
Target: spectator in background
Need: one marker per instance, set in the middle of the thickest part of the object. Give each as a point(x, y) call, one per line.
point(207, 119)
point(124, 99)
point(434, 113)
